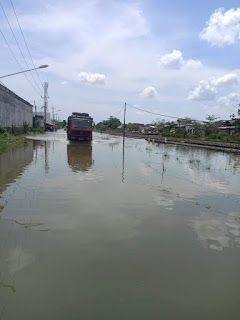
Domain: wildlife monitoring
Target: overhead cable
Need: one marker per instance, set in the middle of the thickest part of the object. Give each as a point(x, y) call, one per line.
point(158, 114)
point(155, 113)
point(25, 41)
point(18, 62)
point(18, 44)
point(119, 111)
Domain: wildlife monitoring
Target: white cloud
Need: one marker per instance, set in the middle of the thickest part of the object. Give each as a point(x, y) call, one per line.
point(126, 21)
point(114, 39)
point(149, 92)
point(193, 64)
point(223, 27)
point(204, 91)
point(174, 60)
point(230, 100)
point(227, 81)
point(64, 83)
point(92, 78)
point(207, 90)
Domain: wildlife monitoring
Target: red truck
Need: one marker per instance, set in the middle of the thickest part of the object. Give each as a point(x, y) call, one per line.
point(79, 126)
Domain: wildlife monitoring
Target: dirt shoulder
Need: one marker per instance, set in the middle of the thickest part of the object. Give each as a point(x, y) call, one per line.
point(213, 145)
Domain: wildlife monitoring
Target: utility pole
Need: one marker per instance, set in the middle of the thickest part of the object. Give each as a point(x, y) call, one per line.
point(35, 107)
point(45, 86)
point(125, 106)
point(123, 152)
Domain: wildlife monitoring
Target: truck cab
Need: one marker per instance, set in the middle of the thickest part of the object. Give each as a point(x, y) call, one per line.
point(79, 126)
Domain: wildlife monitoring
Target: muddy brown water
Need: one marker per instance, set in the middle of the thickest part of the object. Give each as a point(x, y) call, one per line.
point(92, 231)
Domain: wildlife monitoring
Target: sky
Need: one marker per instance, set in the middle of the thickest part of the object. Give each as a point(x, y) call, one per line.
point(177, 58)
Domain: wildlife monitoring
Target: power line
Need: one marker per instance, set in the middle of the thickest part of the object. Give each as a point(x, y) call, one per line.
point(18, 44)
point(18, 62)
point(2, 84)
point(119, 111)
point(155, 113)
point(25, 41)
point(159, 114)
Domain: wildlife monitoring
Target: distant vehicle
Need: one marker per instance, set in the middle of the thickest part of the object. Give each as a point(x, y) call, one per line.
point(50, 127)
point(79, 126)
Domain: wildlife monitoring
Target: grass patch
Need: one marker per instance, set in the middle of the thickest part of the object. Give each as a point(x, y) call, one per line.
point(210, 137)
point(8, 140)
point(194, 161)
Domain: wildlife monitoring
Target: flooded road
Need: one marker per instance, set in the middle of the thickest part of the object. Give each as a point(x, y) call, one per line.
point(92, 231)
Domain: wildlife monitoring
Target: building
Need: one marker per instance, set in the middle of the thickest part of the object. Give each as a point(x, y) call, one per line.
point(16, 114)
point(48, 118)
point(38, 121)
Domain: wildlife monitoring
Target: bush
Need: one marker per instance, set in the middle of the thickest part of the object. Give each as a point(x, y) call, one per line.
point(2, 130)
point(25, 127)
point(182, 134)
point(37, 130)
point(166, 134)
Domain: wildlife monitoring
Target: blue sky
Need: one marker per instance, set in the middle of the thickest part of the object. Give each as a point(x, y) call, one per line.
point(179, 58)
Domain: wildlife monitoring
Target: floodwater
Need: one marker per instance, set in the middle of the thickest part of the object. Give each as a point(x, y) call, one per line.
point(95, 231)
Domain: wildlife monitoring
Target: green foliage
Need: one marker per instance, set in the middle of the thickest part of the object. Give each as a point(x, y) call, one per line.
point(166, 134)
point(223, 137)
point(237, 124)
point(25, 127)
point(182, 134)
point(160, 125)
point(59, 124)
point(9, 140)
point(2, 130)
point(132, 127)
point(197, 128)
point(211, 117)
point(111, 124)
point(37, 130)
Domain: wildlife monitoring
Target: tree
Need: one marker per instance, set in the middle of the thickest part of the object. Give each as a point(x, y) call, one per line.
point(111, 124)
point(211, 126)
point(197, 128)
point(132, 127)
point(159, 124)
point(189, 120)
point(211, 117)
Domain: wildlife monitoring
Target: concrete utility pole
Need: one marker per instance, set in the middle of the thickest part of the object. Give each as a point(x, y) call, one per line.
point(124, 120)
point(35, 108)
point(45, 86)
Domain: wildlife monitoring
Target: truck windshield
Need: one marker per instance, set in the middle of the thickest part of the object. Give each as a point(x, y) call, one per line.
point(81, 123)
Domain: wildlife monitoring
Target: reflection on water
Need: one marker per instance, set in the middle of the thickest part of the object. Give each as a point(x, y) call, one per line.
point(13, 162)
point(217, 232)
point(123, 158)
point(79, 156)
point(162, 245)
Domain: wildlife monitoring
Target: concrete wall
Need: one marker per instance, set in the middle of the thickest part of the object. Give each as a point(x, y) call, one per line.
point(14, 111)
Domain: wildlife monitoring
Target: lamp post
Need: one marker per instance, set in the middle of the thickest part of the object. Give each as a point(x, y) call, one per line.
point(11, 74)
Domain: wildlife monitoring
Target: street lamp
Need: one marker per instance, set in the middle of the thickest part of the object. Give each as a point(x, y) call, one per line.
point(41, 67)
